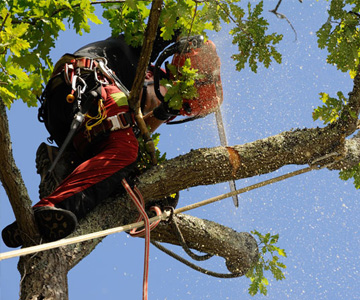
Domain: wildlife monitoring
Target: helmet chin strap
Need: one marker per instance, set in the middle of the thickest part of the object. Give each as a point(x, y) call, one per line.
point(144, 94)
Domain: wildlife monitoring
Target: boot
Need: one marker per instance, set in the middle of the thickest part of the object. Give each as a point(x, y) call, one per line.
point(53, 223)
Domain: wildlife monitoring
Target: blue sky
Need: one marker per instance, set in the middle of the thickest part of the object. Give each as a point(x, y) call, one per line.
point(316, 214)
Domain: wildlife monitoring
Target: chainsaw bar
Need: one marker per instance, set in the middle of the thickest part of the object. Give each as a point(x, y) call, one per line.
point(224, 143)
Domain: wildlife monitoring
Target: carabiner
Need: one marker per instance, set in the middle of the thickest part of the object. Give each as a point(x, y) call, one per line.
point(76, 87)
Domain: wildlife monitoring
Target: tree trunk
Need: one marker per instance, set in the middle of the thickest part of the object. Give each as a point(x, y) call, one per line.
point(44, 276)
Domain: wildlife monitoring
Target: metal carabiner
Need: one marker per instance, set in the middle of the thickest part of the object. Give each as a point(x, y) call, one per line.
point(105, 70)
point(77, 87)
point(108, 73)
point(96, 76)
point(69, 68)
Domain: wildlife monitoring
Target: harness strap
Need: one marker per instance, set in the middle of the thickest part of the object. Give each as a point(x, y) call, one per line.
point(120, 121)
point(69, 63)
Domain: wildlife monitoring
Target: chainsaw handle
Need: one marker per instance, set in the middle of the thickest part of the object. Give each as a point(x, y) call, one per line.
point(183, 45)
point(164, 55)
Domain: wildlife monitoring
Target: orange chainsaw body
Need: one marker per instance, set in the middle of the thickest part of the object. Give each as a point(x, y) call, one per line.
point(209, 87)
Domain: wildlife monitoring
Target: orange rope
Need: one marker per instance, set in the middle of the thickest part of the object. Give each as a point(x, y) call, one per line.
point(138, 200)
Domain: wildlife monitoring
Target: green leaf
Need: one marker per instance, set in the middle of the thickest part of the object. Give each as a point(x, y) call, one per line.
point(340, 35)
point(331, 109)
point(144, 161)
point(351, 173)
point(281, 252)
point(182, 85)
point(256, 272)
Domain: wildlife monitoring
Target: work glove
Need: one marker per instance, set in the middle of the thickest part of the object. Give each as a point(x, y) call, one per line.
point(164, 112)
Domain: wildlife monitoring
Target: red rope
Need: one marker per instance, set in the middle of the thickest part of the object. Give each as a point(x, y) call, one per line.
point(138, 200)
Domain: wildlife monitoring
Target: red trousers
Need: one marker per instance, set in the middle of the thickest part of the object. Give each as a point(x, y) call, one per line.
point(98, 177)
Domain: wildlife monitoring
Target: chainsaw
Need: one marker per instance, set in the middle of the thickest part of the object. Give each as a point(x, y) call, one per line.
point(204, 58)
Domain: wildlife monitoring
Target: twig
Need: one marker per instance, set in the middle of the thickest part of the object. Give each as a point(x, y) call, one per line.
point(354, 13)
point(234, 21)
point(282, 16)
point(134, 99)
point(3, 23)
point(277, 6)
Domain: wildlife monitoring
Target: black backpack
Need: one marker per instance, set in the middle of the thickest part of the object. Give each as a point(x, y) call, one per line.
point(57, 113)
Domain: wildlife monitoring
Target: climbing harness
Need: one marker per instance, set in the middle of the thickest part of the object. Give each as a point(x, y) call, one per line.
point(83, 98)
point(150, 223)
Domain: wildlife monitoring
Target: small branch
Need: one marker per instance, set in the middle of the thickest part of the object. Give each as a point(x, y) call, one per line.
point(3, 23)
point(149, 37)
point(282, 16)
point(134, 99)
point(354, 13)
point(277, 6)
point(234, 21)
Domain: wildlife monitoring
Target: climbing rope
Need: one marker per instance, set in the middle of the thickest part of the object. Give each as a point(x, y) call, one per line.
point(79, 239)
point(195, 267)
point(139, 202)
point(182, 241)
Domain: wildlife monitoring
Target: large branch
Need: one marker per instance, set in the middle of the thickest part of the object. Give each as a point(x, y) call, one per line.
point(210, 166)
point(238, 249)
point(13, 183)
point(300, 146)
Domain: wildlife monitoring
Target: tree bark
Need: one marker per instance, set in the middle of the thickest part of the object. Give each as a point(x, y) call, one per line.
point(44, 276)
point(14, 186)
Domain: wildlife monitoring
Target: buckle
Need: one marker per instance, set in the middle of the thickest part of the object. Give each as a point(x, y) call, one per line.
point(117, 123)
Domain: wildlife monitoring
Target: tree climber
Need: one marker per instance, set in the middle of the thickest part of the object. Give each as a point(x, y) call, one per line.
point(106, 140)
point(92, 84)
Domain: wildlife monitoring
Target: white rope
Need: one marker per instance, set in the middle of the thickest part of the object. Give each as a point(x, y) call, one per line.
point(78, 239)
point(164, 216)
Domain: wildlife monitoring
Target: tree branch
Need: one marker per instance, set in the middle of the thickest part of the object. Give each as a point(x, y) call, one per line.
point(201, 167)
point(348, 121)
point(14, 186)
point(149, 38)
point(134, 99)
point(282, 16)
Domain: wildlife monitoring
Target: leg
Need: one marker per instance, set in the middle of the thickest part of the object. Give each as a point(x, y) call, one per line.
point(90, 183)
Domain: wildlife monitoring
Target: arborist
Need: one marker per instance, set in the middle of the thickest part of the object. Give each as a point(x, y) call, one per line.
point(92, 84)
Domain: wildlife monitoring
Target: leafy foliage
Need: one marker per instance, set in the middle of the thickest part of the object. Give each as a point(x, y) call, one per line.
point(354, 173)
point(24, 54)
point(128, 17)
point(340, 34)
point(182, 85)
point(28, 31)
point(330, 111)
point(259, 282)
point(144, 160)
point(191, 18)
point(253, 43)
